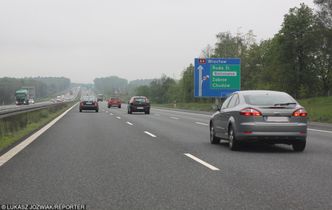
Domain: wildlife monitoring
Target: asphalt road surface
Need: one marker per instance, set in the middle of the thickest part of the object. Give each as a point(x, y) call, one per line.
point(112, 160)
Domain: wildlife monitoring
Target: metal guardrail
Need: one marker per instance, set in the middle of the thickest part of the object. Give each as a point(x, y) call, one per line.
point(23, 109)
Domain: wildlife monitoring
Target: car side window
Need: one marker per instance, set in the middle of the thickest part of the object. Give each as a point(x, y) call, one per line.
point(233, 101)
point(225, 104)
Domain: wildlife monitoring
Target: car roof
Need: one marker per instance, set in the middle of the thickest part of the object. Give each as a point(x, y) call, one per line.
point(245, 92)
point(139, 97)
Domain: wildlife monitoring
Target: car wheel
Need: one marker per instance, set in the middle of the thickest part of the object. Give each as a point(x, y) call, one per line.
point(97, 110)
point(80, 110)
point(119, 106)
point(147, 112)
point(299, 147)
point(233, 143)
point(109, 106)
point(213, 138)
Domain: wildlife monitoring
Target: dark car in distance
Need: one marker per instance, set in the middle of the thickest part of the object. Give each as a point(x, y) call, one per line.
point(260, 116)
point(139, 104)
point(89, 103)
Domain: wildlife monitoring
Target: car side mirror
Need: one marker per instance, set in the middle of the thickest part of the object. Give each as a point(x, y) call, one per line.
point(216, 107)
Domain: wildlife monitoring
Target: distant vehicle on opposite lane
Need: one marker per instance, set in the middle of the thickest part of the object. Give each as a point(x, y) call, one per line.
point(100, 97)
point(139, 104)
point(260, 116)
point(31, 101)
point(89, 103)
point(114, 102)
point(22, 97)
point(59, 99)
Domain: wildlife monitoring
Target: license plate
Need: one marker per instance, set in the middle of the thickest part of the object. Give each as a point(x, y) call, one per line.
point(277, 119)
point(140, 107)
point(88, 103)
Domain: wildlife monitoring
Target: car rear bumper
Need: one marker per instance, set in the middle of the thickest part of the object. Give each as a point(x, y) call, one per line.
point(87, 107)
point(272, 132)
point(140, 109)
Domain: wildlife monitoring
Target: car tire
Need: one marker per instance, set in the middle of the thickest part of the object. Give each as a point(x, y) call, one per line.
point(213, 138)
point(97, 110)
point(147, 112)
point(119, 106)
point(233, 143)
point(299, 146)
point(109, 106)
point(80, 110)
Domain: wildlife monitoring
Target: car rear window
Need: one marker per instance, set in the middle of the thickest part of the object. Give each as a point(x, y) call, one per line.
point(268, 99)
point(140, 99)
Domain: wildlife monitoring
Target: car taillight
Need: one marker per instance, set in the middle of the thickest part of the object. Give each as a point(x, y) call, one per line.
point(95, 103)
point(250, 112)
point(300, 113)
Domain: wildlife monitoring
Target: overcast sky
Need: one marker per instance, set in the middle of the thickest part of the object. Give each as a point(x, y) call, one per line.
point(133, 39)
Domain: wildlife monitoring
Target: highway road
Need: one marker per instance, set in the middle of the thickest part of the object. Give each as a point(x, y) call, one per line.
point(112, 160)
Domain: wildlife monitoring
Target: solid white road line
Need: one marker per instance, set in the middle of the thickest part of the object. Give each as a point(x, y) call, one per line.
point(174, 118)
point(118, 118)
point(200, 123)
point(111, 114)
point(323, 131)
point(11, 153)
point(150, 134)
point(129, 123)
point(201, 162)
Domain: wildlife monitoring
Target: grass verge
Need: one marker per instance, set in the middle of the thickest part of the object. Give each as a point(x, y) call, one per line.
point(38, 120)
point(319, 109)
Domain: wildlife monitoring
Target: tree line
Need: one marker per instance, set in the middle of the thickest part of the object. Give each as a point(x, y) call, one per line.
point(44, 87)
point(297, 60)
point(115, 86)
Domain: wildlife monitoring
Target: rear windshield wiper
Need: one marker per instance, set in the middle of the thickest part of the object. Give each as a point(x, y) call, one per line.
point(285, 104)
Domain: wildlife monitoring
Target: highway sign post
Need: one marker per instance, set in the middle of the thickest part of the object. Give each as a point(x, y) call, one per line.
point(217, 77)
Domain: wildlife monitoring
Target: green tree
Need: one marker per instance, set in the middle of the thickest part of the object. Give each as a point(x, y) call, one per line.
point(325, 12)
point(143, 90)
point(297, 49)
point(111, 86)
point(323, 57)
point(186, 84)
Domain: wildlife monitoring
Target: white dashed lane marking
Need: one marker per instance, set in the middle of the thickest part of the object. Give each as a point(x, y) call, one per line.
point(129, 123)
point(200, 123)
point(150, 134)
point(202, 162)
point(174, 118)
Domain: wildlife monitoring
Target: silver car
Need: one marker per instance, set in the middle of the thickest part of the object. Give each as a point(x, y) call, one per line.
point(260, 116)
